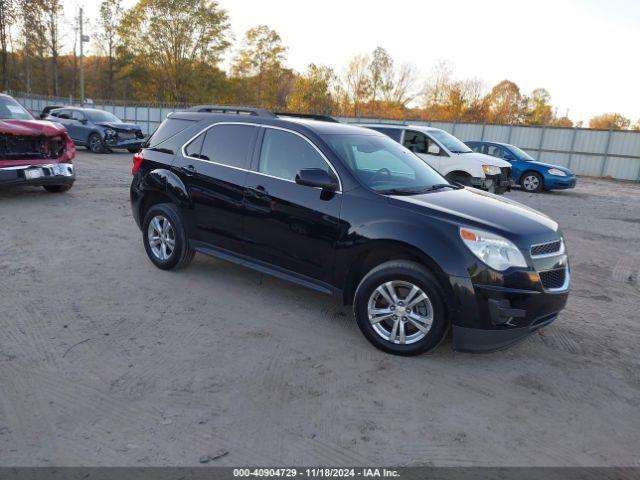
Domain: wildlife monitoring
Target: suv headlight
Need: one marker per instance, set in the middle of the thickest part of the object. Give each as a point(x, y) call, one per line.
point(109, 133)
point(491, 170)
point(494, 250)
point(555, 171)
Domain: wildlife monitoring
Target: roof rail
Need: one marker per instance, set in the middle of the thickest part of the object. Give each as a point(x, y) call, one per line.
point(310, 116)
point(238, 110)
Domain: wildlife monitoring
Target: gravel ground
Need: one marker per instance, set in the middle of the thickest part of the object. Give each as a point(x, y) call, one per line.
point(106, 360)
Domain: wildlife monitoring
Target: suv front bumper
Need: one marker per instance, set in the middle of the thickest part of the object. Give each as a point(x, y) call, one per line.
point(492, 183)
point(493, 316)
point(38, 175)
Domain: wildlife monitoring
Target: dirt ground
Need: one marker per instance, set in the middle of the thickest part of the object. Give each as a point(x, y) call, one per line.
point(106, 360)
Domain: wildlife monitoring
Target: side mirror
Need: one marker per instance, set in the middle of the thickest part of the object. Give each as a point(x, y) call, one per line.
point(317, 177)
point(433, 149)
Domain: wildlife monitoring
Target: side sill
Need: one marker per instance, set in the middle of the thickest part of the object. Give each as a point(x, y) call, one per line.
point(266, 268)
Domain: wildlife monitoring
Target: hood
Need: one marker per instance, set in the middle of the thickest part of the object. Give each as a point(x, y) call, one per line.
point(476, 208)
point(546, 166)
point(120, 126)
point(31, 127)
point(483, 159)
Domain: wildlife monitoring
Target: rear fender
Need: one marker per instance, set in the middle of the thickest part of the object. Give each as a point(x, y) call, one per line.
point(162, 180)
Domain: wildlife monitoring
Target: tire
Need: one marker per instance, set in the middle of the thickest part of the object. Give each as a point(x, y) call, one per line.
point(531, 182)
point(402, 276)
point(95, 143)
point(57, 188)
point(172, 250)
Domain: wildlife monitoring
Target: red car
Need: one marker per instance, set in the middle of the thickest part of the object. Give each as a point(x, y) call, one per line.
point(34, 152)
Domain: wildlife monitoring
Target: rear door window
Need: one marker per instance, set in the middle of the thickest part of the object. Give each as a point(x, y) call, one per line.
point(230, 145)
point(194, 147)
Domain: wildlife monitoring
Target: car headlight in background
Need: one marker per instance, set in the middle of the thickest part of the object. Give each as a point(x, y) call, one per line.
point(491, 170)
point(109, 133)
point(555, 171)
point(494, 250)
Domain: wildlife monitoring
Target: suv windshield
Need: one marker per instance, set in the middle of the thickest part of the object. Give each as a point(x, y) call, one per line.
point(12, 110)
point(450, 142)
point(521, 154)
point(101, 116)
point(384, 165)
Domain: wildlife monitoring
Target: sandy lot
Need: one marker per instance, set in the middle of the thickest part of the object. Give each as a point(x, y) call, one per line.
point(106, 360)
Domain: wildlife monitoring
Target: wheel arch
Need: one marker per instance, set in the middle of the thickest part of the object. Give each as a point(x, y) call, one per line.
point(161, 186)
point(380, 251)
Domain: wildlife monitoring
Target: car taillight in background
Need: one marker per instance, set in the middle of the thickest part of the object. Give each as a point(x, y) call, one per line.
point(138, 158)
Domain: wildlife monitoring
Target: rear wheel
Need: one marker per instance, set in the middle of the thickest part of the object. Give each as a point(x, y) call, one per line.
point(165, 238)
point(399, 308)
point(95, 144)
point(532, 182)
point(57, 188)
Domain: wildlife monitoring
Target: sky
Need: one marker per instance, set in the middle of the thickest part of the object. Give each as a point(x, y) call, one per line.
point(584, 52)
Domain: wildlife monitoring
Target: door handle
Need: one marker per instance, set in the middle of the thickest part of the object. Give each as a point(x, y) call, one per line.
point(189, 170)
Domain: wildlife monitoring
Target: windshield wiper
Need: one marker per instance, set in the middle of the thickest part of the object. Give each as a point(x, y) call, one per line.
point(418, 191)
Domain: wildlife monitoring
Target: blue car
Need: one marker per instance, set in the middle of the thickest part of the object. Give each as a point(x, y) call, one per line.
point(531, 175)
point(98, 130)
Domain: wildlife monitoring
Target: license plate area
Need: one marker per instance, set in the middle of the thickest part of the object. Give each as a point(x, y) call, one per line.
point(33, 173)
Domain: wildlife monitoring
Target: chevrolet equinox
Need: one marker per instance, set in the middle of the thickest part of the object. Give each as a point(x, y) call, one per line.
point(349, 212)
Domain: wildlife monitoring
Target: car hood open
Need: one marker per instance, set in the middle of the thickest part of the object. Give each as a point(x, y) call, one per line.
point(483, 159)
point(476, 208)
point(30, 127)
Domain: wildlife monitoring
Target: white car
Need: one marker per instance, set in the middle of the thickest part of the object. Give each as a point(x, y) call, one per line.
point(450, 156)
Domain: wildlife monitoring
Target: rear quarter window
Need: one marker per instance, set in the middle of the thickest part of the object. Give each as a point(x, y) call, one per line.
point(168, 130)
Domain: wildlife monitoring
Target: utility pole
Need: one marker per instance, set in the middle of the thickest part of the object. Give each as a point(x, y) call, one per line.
point(83, 39)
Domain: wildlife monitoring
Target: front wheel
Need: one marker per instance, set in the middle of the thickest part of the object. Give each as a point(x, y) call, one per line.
point(165, 238)
point(95, 144)
point(532, 182)
point(399, 308)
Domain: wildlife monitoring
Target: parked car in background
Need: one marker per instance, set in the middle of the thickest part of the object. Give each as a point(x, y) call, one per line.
point(34, 152)
point(531, 175)
point(349, 212)
point(98, 130)
point(47, 110)
point(450, 156)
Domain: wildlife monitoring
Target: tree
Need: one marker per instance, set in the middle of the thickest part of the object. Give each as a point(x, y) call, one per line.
point(610, 121)
point(7, 17)
point(109, 21)
point(564, 122)
point(52, 9)
point(260, 61)
point(312, 91)
point(505, 104)
point(357, 83)
point(381, 73)
point(171, 37)
point(401, 89)
point(538, 108)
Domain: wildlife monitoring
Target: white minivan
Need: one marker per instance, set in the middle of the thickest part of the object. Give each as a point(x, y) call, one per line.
point(450, 156)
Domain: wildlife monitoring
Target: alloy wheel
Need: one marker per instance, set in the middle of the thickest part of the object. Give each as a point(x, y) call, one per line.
point(400, 312)
point(531, 182)
point(161, 237)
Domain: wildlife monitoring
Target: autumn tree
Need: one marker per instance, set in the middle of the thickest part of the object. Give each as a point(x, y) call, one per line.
point(52, 11)
point(381, 74)
point(505, 104)
point(312, 91)
point(7, 17)
point(109, 21)
point(538, 110)
point(357, 84)
point(171, 38)
point(260, 62)
point(610, 121)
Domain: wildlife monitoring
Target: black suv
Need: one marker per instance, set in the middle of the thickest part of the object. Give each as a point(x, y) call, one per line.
point(349, 212)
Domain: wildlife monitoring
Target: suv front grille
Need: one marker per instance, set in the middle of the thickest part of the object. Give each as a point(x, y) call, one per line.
point(546, 248)
point(552, 279)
